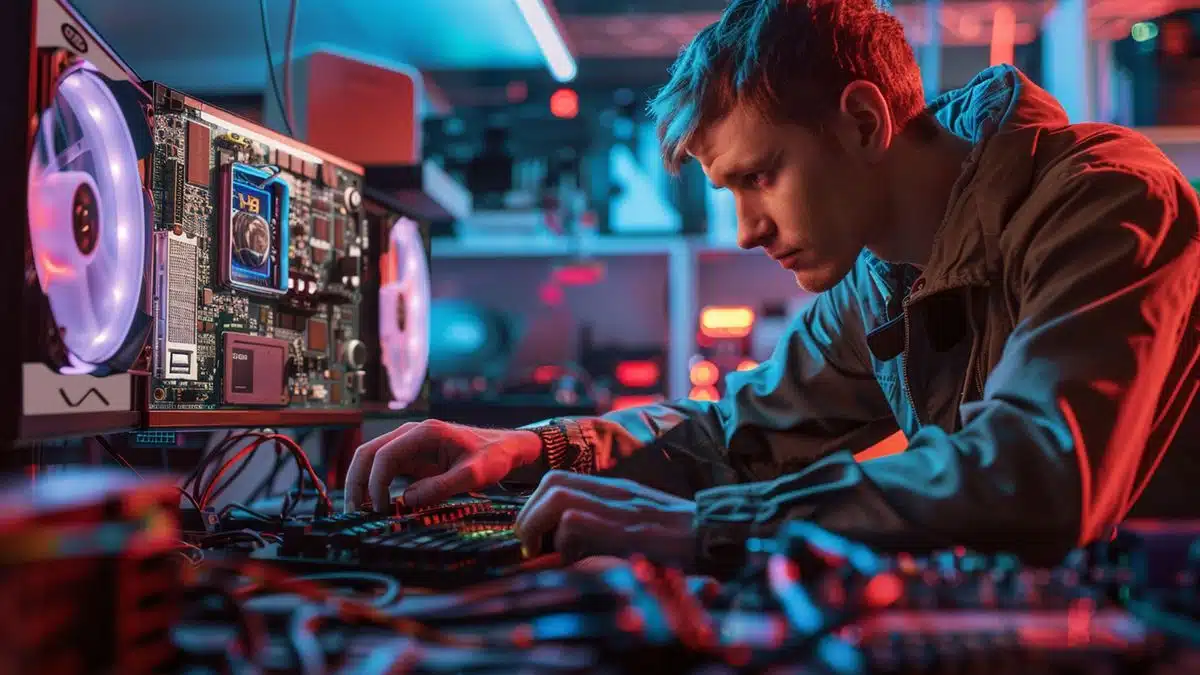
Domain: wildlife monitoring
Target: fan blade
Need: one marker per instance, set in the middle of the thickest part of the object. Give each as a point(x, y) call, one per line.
point(71, 302)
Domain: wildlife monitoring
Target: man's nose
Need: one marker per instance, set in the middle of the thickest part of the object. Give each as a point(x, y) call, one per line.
point(753, 231)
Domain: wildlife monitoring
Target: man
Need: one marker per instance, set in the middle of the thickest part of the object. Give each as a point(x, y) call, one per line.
point(1015, 293)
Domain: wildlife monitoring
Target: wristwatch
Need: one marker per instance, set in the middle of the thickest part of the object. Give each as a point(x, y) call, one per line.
point(554, 445)
point(565, 446)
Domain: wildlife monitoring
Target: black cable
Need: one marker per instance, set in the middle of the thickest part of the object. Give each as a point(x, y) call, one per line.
point(266, 33)
point(257, 515)
point(264, 488)
point(236, 472)
point(193, 479)
point(257, 437)
point(232, 536)
point(116, 455)
point(190, 498)
point(288, 43)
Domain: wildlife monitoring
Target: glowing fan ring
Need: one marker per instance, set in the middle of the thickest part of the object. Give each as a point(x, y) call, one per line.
point(404, 314)
point(89, 264)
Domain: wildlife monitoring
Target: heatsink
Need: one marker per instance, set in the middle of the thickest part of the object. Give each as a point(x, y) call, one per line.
point(177, 286)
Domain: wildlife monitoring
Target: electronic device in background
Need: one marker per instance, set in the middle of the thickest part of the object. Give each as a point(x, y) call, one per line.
point(724, 346)
point(337, 95)
point(83, 311)
point(396, 304)
point(629, 376)
point(258, 257)
point(91, 575)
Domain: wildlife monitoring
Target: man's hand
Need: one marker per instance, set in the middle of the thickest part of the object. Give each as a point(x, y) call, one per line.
point(448, 458)
point(608, 516)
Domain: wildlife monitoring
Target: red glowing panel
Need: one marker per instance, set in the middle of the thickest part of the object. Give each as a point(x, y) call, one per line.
point(637, 374)
point(704, 394)
point(579, 275)
point(626, 402)
point(726, 322)
point(704, 374)
point(564, 104)
point(546, 374)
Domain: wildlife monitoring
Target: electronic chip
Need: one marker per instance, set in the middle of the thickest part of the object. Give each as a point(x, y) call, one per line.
point(318, 336)
point(320, 228)
point(339, 233)
point(199, 154)
point(255, 370)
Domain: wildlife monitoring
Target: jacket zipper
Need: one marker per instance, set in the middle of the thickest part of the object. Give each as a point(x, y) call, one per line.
point(971, 377)
point(980, 375)
point(912, 405)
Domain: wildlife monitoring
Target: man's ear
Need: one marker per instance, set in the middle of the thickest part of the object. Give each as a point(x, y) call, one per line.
point(864, 126)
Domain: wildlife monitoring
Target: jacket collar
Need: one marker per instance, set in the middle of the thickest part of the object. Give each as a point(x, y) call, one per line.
point(1001, 111)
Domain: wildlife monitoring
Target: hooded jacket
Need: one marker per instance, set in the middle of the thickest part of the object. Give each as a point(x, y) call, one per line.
point(1042, 364)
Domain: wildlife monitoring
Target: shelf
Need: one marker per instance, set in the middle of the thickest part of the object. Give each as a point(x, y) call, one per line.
point(76, 425)
point(510, 246)
point(422, 190)
point(251, 419)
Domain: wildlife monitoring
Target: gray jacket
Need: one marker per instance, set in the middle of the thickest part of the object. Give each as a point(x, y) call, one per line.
point(1043, 365)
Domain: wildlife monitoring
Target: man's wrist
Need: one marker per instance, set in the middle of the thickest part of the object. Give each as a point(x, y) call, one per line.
point(529, 447)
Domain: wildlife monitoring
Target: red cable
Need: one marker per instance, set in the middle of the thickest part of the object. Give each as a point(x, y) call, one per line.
point(291, 445)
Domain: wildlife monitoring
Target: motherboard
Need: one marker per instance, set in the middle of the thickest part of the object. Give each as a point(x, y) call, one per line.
point(258, 246)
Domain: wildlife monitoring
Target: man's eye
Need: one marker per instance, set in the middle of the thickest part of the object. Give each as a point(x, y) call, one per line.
point(757, 180)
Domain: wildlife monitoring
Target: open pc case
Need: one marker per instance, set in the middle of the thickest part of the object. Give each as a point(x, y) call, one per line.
point(75, 281)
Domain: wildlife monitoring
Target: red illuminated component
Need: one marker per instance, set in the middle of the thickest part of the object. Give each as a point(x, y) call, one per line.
point(564, 104)
point(637, 374)
point(704, 374)
point(579, 275)
point(726, 322)
point(546, 374)
point(704, 394)
point(551, 294)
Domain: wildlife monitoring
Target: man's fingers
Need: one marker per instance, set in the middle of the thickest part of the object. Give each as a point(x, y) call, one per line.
point(582, 534)
point(465, 476)
point(607, 488)
point(541, 516)
point(359, 473)
point(427, 444)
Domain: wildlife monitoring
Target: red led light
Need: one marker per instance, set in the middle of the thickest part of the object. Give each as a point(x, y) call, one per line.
point(637, 374)
point(564, 104)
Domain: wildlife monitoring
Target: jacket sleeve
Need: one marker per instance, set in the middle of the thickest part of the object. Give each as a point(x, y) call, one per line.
point(1084, 397)
point(817, 393)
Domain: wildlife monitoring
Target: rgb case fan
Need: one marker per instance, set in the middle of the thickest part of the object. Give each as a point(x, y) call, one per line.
point(88, 224)
point(398, 290)
point(82, 305)
point(404, 312)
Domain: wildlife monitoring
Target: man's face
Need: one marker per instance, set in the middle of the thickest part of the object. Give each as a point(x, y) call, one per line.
point(800, 197)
